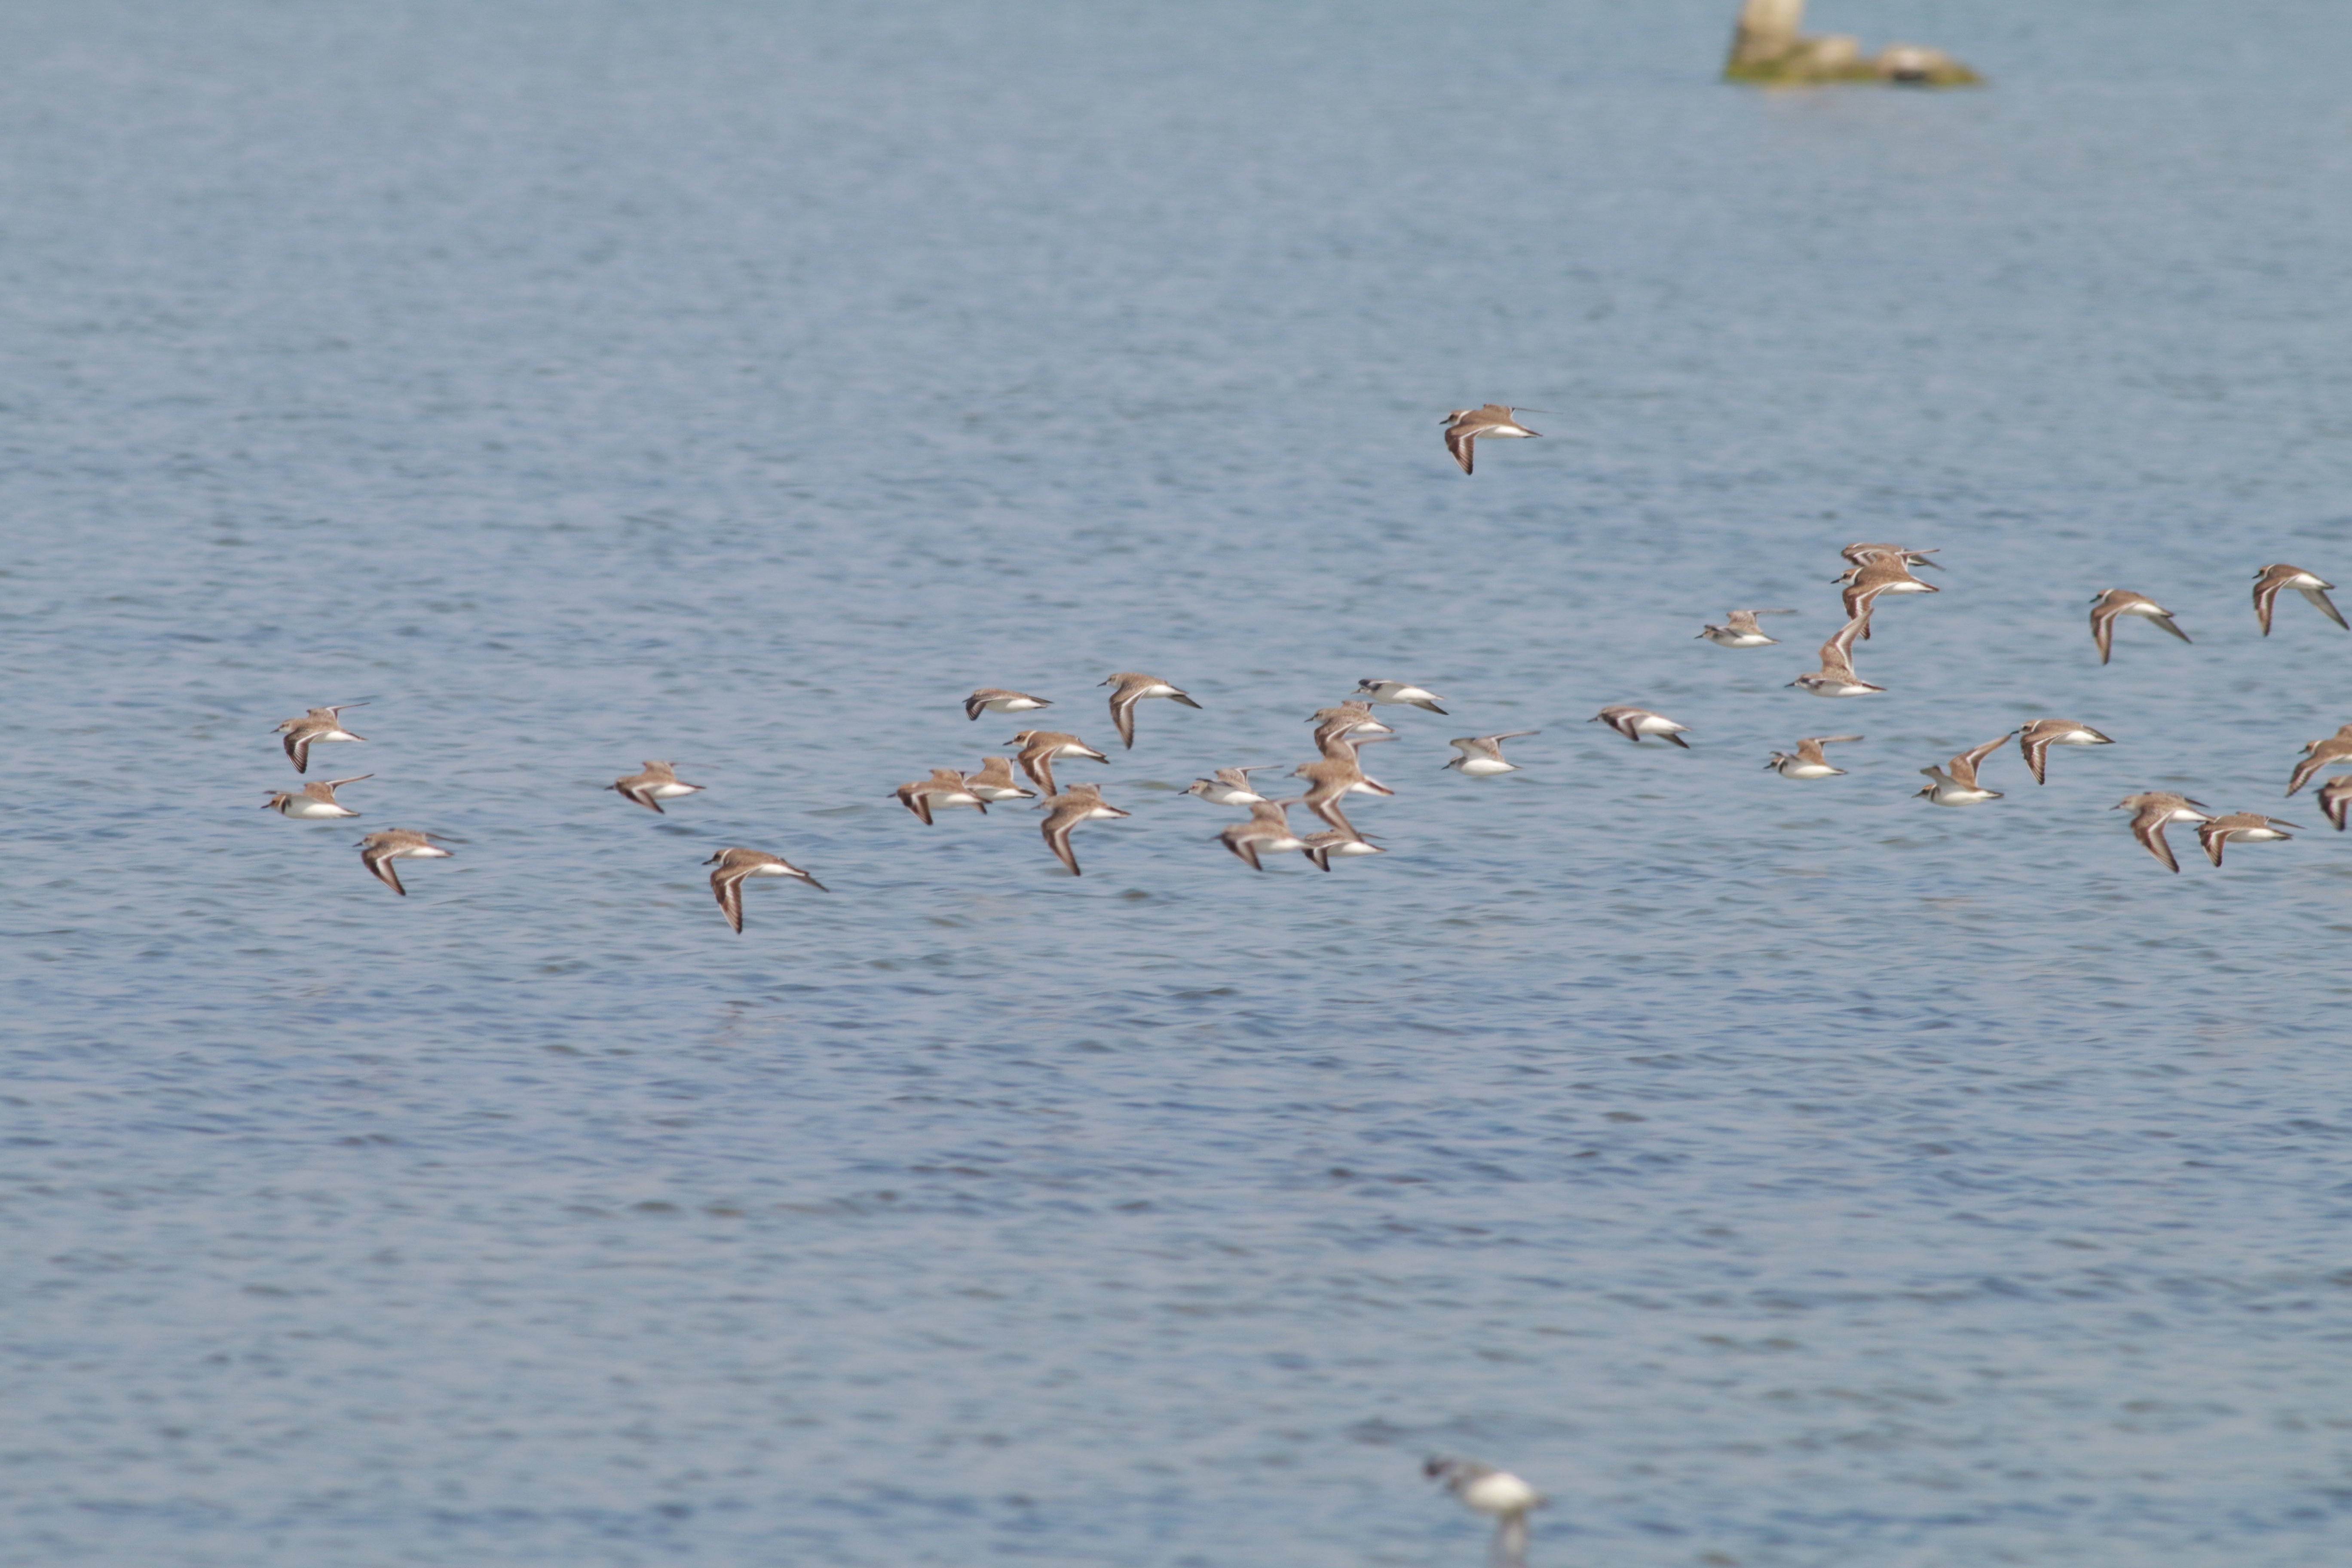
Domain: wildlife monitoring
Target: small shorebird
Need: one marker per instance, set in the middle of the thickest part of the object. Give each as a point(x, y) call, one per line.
point(1956, 782)
point(2272, 578)
point(1877, 575)
point(1040, 747)
point(1836, 677)
point(1481, 755)
point(1465, 426)
point(658, 784)
point(2036, 738)
point(2335, 799)
point(379, 850)
point(1133, 689)
point(1400, 694)
point(996, 699)
point(1863, 554)
point(316, 800)
point(995, 781)
point(2239, 827)
point(1807, 762)
point(2154, 811)
point(1740, 629)
point(1353, 717)
point(2318, 755)
point(944, 788)
point(1331, 780)
point(1636, 722)
point(2123, 602)
point(1084, 803)
point(1267, 830)
point(735, 865)
point(317, 725)
point(1499, 1494)
point(1229, 787)
point(1321, 847)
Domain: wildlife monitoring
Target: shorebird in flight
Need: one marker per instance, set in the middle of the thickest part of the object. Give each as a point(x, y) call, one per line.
point(1807, 762)
point(1481, 755)
point(1229, 787)
point(1040, 747)
point(2318, 755)
point(1083, 803)
point(2154, 811)
point(1497, 1494)
point(2117, 602)
point(1636, 722)
point(379, 850)
point(1267, 830)
point(996, 699)
point(320, 725)
point(1133, 689)
point(945, 787)
point(1465, 426)
point(1836, 677)
point(1955, 783)
point(2036, 738)
point(995, 781)
point(658, 784)
point(2272, 578)
point(735, 865)
point(2239, 827)
point(1740, 629)
point(315, 801)
point(1400, 694)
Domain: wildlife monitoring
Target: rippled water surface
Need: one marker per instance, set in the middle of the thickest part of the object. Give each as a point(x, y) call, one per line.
point(1780, 1175)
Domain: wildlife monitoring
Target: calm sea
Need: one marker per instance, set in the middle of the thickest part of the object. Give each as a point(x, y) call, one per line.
point(1782, 1175)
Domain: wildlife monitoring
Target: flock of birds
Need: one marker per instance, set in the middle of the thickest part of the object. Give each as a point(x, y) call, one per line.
point(1873, 572)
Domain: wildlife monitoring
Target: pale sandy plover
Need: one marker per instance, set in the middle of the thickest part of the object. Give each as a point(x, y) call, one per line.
point(735, 865)
point(2239, 827)
point(1955, 783)
point(318, 725)
point(1740, 629)
point(315, 801)
point(1082, 803)
point(1465, 426)
point(2272, 578)
point(2156, 810)
point(1040, 747)
point(995, 781)
point(2318, 755)
point(1807, 762)
point(2116, 602)
point(1131, 688)
point(944, 788)
point(2036, 738)
point(1636, 722)
point(379, 850)
point(658, 784)
point(1229, 787)
point(1400, 694)
point(1481, 755)
point(1497, 1494)
point(1267, 831)
point(996, 699)
point(1836, 677)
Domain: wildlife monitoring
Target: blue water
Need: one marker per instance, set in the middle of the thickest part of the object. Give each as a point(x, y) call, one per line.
point(1779, 1174)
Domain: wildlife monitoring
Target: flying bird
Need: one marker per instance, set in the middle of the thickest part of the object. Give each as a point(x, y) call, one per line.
point(1465, 426)
point(2272, 578)
point(2117, 602)
point(1133, 689)
point(2154, 811)
point(735, 865)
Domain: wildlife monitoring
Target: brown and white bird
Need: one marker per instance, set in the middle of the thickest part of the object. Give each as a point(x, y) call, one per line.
point(1325, 846)
point(2117, 602)
point(1338, 775)
point(2156, 810)
point(1132, 689)
point(1040, 747)
point(1636, 722)
point(658, 784)
point(994, 782)
point(2318, 755)
point(1267, 830)
point(1867, 580)
point(1400, 694)
point(1229, 787)
point(1740, 629)
point(315, 801)
point(2280, 575)
point(1064, 813)
point(1863, 554)
point(1836, 677)
point(2239, 827)
point(997, 700)
point(2036, 738)
point(736, 864)
point(1465, 426)
point(317, 725)
point(1955, 783)
point(1807, 762)
point(944, 788)
point(379, 850)
point(2335, 799)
